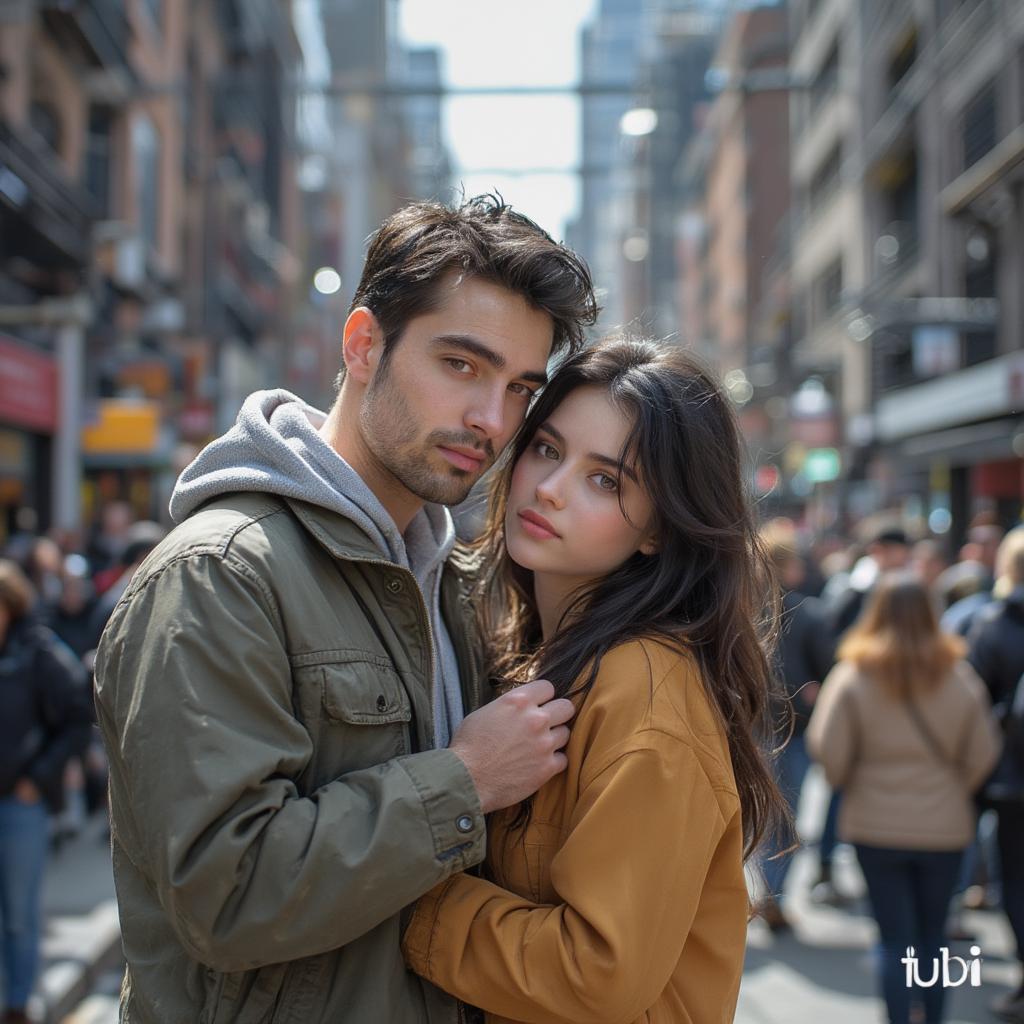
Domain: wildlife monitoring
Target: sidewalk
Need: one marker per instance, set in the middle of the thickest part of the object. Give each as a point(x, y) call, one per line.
point(823, 971)
point(820, 974)
point(82, 939)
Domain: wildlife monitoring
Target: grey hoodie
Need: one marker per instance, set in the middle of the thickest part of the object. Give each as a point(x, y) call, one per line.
point(274, 447)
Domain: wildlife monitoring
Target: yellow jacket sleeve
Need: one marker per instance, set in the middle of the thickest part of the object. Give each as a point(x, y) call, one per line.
point(642, 838)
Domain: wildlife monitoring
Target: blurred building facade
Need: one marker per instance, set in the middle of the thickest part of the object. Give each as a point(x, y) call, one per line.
point(735, 178)
point(148, 176)
point(860, 285)
point(166, 197)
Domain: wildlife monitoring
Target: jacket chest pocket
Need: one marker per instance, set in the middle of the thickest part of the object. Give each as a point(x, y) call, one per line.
point(364, 718)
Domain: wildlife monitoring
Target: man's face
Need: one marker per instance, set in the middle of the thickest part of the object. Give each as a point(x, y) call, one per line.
point(456, 387)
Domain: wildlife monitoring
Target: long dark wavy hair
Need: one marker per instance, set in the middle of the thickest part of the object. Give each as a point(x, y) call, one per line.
point(707, 590)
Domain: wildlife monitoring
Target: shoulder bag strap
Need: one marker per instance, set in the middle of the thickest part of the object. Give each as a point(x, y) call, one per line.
point(926, 734)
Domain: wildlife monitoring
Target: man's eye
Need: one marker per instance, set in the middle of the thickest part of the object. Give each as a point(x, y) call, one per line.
point(521, 389)
point(458, 365)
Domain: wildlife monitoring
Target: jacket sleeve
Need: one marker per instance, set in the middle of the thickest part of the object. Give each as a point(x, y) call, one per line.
point(833, 732)
point(65, 707)
point(983, 654)
point(194, 694)
point(630, 879)
point(983, 741)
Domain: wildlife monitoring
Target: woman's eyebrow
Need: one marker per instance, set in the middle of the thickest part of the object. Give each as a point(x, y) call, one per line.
point(605, 460)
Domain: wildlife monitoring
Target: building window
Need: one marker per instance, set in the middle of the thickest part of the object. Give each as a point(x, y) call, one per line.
point(45, 122)
point(902, 59)
point(825, 181)
point(979, 125)
point(99, 157)
point(826, 82)
point(155, 10)
point(829, 290)
point(146, 167)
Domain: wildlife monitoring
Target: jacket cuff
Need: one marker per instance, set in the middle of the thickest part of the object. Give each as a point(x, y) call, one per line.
point(418, 939)
point(451, 805)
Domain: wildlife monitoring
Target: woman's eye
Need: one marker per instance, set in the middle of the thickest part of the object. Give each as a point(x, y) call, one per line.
point(545, 450)
point(606, 482)
point(459, 365)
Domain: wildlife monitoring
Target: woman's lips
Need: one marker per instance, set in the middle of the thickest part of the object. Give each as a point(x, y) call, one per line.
point(536, 525)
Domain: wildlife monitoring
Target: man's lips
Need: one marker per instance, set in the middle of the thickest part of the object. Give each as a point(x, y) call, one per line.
point(536, 525)
point(464, 458)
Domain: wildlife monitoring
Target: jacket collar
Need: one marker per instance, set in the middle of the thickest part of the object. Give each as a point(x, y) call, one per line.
point(338, 535)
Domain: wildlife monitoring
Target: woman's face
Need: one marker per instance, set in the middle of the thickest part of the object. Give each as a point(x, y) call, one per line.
point(566, 500)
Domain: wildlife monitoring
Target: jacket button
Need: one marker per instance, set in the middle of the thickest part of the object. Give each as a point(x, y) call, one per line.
point(382, 703)
point(464, 824)
point(394, 585)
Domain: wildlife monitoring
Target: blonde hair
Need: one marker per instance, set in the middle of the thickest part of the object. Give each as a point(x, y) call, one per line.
point(1010, 562)
point(897, 639)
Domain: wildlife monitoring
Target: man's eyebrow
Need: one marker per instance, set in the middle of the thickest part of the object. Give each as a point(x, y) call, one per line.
point(605, 460)
point(481, 351)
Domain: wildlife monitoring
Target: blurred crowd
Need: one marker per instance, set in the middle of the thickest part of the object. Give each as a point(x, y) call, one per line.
point(901, 662)
point(902, 665)
point(56, 594)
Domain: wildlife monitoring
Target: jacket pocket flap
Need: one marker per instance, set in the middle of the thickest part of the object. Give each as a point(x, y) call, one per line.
point(364, 693)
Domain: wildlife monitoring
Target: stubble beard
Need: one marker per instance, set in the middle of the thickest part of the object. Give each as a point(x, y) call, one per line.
point(391, 434)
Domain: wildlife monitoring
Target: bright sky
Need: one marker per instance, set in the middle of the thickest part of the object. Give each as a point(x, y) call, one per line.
point(496, 42)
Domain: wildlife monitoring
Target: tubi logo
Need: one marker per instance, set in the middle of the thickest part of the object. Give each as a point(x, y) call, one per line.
point(967, 968)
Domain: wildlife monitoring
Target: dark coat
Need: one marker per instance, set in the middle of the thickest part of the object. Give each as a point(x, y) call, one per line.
point(805, 652)
point(47, 710)
point(996, 642)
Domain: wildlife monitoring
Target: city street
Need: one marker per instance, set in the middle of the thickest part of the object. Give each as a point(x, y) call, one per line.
point(822, 972)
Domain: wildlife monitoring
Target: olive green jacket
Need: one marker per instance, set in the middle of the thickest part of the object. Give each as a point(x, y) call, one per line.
point(263, 688)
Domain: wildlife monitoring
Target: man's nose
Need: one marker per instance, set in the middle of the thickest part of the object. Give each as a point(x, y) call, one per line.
point(487, 415)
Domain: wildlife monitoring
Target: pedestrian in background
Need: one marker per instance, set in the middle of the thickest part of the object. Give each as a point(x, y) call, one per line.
point(47, 715)
point(904, 726)
point(996, 644)
point(803, 658)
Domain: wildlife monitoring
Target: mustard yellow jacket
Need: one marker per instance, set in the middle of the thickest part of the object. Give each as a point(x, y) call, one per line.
point(624, 899)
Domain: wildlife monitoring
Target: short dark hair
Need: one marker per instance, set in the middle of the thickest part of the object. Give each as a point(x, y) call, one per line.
point(483, 238)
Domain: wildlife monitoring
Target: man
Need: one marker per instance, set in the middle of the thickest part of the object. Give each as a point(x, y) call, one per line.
point(887, 551)
point(996, 642)
point(282, 687)
point(803, 657)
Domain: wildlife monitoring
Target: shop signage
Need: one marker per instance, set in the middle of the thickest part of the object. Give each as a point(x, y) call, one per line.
point(28, 387)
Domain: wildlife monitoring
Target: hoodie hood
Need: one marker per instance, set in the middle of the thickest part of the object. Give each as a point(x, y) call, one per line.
point(275, 448)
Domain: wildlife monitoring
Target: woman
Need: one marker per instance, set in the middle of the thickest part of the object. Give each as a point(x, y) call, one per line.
point(46, 720)
point(904, 726)
point(623, 566)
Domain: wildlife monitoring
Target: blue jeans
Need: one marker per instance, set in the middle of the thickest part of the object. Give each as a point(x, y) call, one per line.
point(790, 772)
point(830, 832)
point(24, 836)
point(910, 892)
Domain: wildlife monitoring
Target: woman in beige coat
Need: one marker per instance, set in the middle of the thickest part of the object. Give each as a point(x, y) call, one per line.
point(903, 726)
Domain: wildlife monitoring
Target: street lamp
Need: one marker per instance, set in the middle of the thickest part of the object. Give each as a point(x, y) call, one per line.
point(327, 281)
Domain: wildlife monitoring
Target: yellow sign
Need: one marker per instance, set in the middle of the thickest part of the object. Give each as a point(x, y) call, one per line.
point(122, 426)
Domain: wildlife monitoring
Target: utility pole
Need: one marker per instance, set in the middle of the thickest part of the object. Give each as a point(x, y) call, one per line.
point(70, 317)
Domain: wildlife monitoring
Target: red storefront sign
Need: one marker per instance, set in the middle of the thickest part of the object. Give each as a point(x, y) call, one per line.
point(28, 387)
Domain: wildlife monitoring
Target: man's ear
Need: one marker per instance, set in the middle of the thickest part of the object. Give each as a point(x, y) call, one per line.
point(362, 344)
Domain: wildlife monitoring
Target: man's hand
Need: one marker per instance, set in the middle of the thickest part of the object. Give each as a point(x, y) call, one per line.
point(512, 746)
